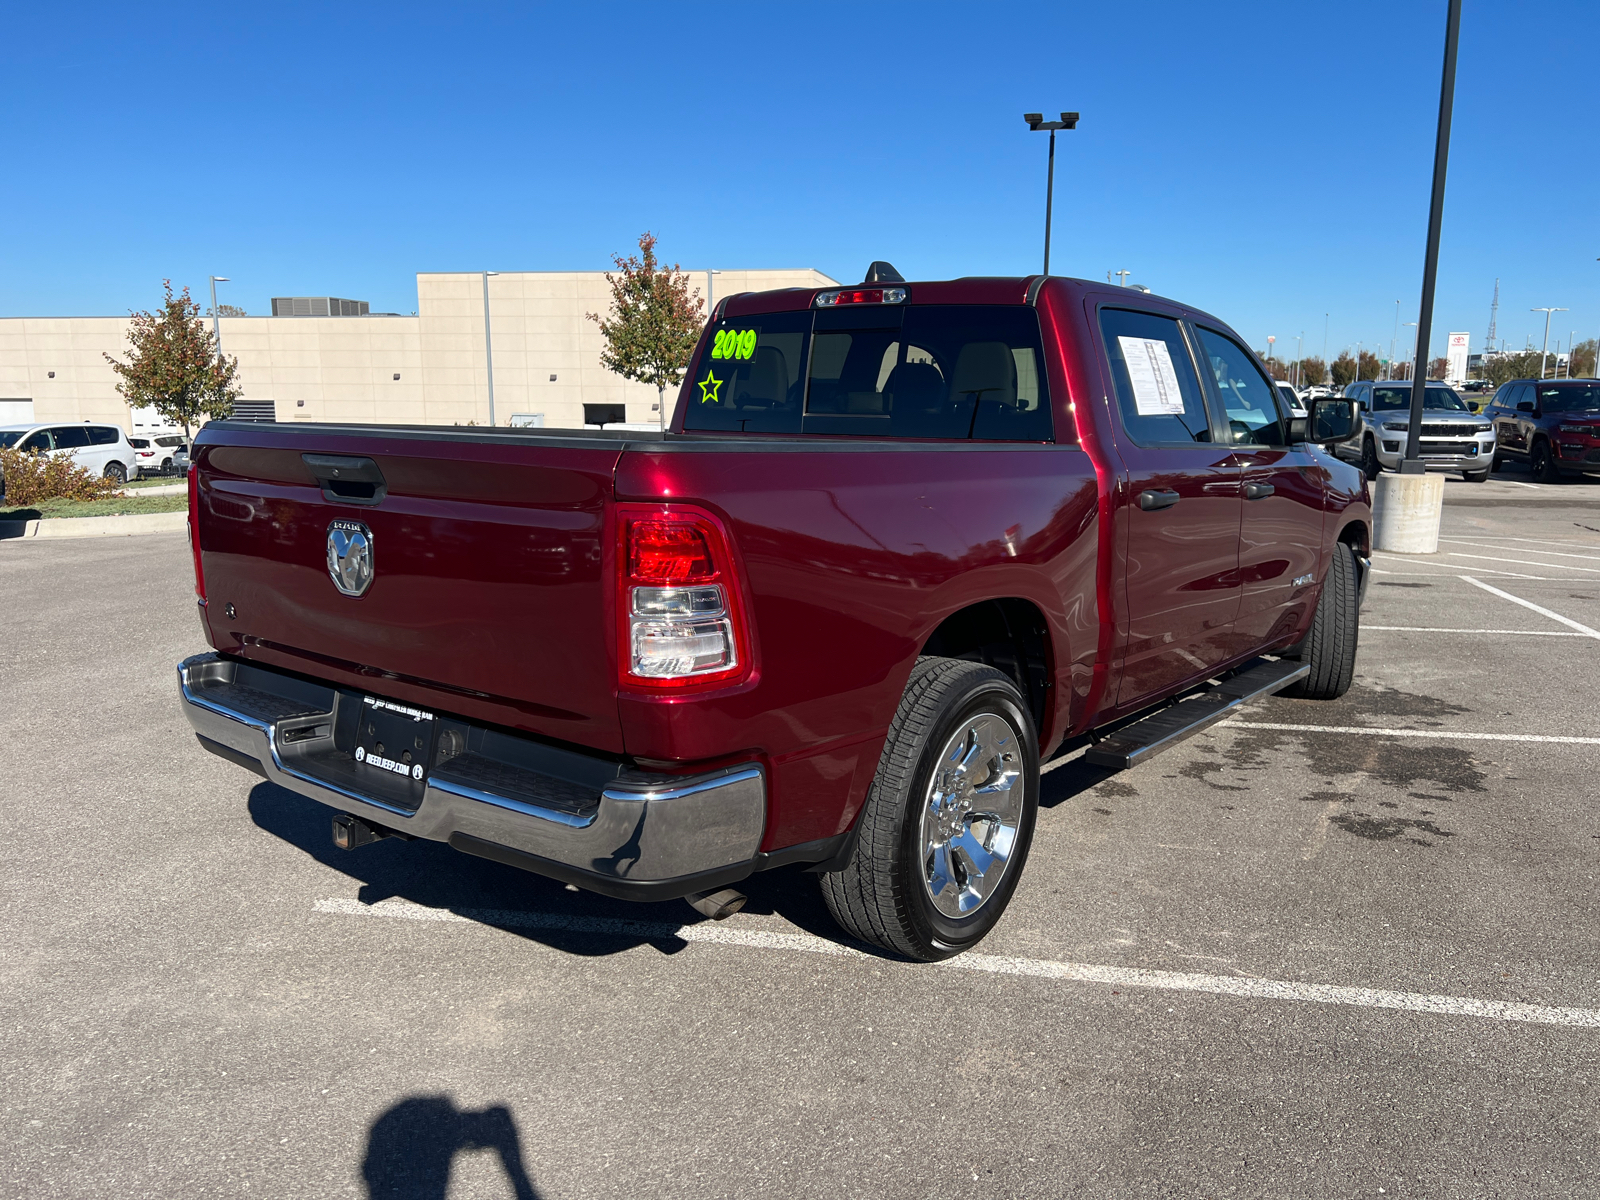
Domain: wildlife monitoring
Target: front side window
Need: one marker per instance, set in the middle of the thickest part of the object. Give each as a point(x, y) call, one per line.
point(1158, 392)
point(1248, 399)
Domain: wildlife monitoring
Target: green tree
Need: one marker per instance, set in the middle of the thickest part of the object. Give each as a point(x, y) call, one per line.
point(173, 365)
point(1438, 368)
point(1369, 365)
point(1582, 359)
point(1344, 370)
point(654, 323)
point(1313, 371)
point(1505, 367)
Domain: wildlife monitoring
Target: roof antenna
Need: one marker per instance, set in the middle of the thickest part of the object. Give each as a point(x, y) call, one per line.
point(882, 272)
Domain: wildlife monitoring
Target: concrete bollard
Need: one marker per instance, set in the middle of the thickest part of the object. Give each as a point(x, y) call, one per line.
point(1406, 511)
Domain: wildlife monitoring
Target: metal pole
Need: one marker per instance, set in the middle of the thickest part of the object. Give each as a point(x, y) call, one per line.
point(1394, 339)
point(1326, 366)
point(1545, 349)
point(1049, 199)
point(1441, 158)
point(1572, 344)
point(216, 329)
point(488, 344)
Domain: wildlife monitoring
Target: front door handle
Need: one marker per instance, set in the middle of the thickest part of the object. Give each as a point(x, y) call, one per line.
point(1150, 500)
point(1258, 491)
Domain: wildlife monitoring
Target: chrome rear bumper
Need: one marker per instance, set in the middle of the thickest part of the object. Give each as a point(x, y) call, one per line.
point(580, 818)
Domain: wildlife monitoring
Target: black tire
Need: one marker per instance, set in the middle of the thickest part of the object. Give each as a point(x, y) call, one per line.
point(1497, 462)
point(116, 472)
point(1370, 465)
point(1330, 647)
point(1542, 464)
point(882, 897)
point(1476, 476)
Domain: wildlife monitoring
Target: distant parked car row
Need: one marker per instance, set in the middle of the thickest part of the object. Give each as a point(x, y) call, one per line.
point(102, 449)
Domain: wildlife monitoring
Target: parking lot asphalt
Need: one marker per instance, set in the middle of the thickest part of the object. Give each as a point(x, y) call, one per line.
point(201, 996)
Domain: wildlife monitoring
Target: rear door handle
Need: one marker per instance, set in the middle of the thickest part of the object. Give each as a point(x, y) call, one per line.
point(1150, 500)
point(1258, 491)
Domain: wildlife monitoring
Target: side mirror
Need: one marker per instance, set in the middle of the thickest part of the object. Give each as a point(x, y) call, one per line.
point(1525, 406)
point(1327, 420)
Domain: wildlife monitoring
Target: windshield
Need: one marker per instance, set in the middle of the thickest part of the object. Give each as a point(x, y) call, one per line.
point(10, 438)
point(1570, 398)
point(1396, 399)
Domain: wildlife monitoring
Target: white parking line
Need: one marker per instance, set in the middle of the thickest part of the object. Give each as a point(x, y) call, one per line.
point(1065, 972)
point(1486, 545)
point(1543, 612)
point(1444, 571)
point(1525, 562)
point(1430, 629)
point(1446, 734)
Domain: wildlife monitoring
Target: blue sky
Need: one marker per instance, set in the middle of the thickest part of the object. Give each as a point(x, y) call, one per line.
point(1267, 162)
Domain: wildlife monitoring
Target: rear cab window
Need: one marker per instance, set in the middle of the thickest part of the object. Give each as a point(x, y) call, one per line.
point(945, 372)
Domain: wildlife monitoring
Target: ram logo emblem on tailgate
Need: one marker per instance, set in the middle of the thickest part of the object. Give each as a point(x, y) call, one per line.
point(350, 556)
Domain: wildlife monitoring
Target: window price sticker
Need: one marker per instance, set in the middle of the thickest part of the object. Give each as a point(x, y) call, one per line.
point(1155, 382)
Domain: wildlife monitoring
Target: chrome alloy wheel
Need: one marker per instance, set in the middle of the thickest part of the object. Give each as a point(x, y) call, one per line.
point(971, 814)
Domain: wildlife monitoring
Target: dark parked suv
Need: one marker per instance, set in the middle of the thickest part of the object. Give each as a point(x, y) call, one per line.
point(1553, 425)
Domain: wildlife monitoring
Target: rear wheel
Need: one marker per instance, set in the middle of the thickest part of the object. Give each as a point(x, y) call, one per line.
point(1369, 460)
point(943, 836)
point(116, 472)
point(1330, 648)
point(1496, 462)
point(1476, 476)
point(1542, 464)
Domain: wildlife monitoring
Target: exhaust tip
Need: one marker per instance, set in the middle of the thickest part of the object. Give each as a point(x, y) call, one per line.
point(719, 906)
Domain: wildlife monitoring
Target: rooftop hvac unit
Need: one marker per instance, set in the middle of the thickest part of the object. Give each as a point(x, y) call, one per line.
point(317, 306)
point(254, 410)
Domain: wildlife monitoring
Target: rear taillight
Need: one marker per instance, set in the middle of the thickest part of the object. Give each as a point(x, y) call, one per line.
point(194, 534)
point(680, 610)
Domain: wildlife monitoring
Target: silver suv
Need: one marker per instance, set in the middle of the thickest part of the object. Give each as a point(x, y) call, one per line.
point(1454, 438)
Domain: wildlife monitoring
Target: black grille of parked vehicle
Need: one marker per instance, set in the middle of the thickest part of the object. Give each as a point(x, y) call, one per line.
point(1442, 430)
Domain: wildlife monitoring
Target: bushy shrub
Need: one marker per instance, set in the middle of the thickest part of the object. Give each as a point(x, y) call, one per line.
point(31, 477)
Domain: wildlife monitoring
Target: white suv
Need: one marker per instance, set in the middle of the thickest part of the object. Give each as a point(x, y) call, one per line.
point(154, 454)
point(99, 449)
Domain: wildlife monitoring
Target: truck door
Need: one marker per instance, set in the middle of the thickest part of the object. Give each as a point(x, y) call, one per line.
point(1280, 532)
point(1182, 508)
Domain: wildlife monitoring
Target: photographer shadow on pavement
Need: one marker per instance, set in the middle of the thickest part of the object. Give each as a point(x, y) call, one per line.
point(412, 1146)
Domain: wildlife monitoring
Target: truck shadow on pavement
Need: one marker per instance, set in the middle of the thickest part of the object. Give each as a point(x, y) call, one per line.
point(436, 876)
point(412, 1146)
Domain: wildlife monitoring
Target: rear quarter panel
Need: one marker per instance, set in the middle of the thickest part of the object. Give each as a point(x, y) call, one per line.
point(852, 555)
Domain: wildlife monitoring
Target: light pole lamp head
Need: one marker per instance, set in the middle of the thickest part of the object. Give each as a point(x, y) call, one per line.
point(220, 279)
point(1037, 123)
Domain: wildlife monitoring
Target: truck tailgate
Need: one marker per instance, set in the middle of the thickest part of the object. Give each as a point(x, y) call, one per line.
point(487, 596)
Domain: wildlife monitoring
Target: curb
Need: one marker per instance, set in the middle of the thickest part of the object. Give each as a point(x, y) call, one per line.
point(70, 527)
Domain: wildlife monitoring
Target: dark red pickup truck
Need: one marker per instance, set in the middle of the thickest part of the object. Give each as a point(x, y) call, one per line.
point(899, 543)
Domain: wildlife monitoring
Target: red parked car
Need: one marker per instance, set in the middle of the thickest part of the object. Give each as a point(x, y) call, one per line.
point(899, 543)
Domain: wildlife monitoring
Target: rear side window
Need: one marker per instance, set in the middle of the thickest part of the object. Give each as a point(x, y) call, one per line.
point(102, 435)
point(169, 442)
point(1158, 392)
point(944, 371)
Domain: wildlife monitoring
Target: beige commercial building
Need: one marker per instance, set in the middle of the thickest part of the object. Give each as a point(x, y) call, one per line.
point(428, 369)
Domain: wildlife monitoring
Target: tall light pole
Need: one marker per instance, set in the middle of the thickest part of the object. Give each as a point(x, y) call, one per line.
point(1036, 122)
point(216, 329)
point(488, 344)
point(1545, 349)
point(1412, 464)
point(1327, 367)
point(1395, 339)
point(1572, 344)
point(1412, 325)
point(1299, 370)
point(1122, 277)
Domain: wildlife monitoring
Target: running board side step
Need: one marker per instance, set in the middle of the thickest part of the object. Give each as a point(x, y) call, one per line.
point(1143, 740)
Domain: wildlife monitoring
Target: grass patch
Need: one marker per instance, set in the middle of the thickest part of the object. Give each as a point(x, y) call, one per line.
point(155, 481)
point(115, 507)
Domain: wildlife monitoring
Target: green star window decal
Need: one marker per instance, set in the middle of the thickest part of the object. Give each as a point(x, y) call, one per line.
point(709, 387)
